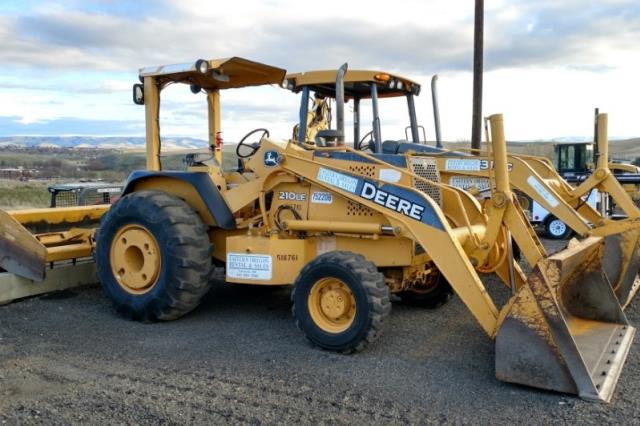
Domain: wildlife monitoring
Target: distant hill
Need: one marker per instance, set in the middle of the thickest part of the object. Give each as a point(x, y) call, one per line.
point(627, 149)
point(622, 149)
point(97, 142)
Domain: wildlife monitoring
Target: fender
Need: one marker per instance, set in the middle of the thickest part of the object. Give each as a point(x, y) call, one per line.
point(200, 181)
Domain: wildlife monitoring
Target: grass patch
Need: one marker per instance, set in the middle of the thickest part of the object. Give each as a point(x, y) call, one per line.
point(21, 195)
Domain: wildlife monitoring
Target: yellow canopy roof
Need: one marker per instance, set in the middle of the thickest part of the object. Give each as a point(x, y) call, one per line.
point(227, 73)
point(357, 83)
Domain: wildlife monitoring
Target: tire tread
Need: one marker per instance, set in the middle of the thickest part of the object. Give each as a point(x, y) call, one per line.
point(188, 247)
point(374, 285)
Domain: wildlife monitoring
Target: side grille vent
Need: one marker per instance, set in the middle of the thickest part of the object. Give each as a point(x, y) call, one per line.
point(428, 169)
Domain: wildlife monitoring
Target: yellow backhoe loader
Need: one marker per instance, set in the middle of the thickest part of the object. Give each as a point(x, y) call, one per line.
point(347, 229)
point(530, 175)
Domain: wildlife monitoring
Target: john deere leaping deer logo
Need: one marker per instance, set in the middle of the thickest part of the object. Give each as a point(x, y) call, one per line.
point(271, 159)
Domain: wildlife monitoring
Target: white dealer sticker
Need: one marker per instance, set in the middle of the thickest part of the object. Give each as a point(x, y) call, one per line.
point(390, 175)
point(322, 197)
point(339, 180)
point(464, 182)
point(463, 165)
point(249, 266)
point(542, 191)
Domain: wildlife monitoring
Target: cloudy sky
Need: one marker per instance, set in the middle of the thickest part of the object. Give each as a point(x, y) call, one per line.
point(67, 66)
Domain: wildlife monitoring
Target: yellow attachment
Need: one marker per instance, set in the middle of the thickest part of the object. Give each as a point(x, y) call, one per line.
point(72, 244)
point(565, 330)
point(60, 216)
point(135, 259)
point(20, 251)
point(61, 276)
point(331, 305)
point(26, 254)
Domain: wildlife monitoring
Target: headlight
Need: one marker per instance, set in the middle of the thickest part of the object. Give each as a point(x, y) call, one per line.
point(399, 85)
point(392, 84)
point(202, 66)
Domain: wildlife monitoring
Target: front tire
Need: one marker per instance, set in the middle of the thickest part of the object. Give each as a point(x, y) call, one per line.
point(153, 256)
point(340, 301)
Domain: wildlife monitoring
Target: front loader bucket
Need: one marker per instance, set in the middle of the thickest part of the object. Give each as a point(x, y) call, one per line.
point(20, 251)
point(565, 330)
point(621, 263)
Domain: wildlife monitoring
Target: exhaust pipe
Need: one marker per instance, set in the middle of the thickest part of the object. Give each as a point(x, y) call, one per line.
point(340, 102)
point(436, 109)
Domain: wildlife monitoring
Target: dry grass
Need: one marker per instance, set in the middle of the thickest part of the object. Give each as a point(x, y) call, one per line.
point(17, 195)
point(20, 195)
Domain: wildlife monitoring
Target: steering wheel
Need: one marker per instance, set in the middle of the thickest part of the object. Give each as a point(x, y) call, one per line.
point(366, 146)
point(253, 147)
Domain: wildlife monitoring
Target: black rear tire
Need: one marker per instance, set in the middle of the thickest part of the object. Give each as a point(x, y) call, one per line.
point(368, 289)
point(184, 250)
point(431, 298)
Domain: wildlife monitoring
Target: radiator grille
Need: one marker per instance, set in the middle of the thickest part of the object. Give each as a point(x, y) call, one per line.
point(427, 168)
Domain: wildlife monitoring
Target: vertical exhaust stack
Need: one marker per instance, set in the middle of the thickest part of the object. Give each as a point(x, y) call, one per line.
point(436, 109)
point(564, 330)
point(478, 53)
point(340, 102)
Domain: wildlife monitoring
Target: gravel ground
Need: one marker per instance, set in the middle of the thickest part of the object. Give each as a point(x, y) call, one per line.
point(239, 359)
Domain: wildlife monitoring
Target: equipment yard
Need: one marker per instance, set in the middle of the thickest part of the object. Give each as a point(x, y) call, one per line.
point(238, 358)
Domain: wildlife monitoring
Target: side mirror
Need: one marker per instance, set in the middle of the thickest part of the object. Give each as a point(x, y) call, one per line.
point(138, 94)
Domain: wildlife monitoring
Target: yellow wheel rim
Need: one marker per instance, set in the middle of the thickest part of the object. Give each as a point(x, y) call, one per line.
point(135, 259)
point(331, 305)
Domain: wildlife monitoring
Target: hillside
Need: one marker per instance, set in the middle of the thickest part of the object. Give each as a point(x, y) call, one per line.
point(622, 149)
point(628, 149)
point(96, 142)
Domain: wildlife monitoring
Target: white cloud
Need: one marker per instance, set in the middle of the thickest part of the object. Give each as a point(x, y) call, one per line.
point(548, 63)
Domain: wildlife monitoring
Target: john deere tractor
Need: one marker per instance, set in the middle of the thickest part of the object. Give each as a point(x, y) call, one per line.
point(346, 229)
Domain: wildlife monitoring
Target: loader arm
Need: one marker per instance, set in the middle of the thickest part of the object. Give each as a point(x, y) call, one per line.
point(536, 178)
point(523, 178)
